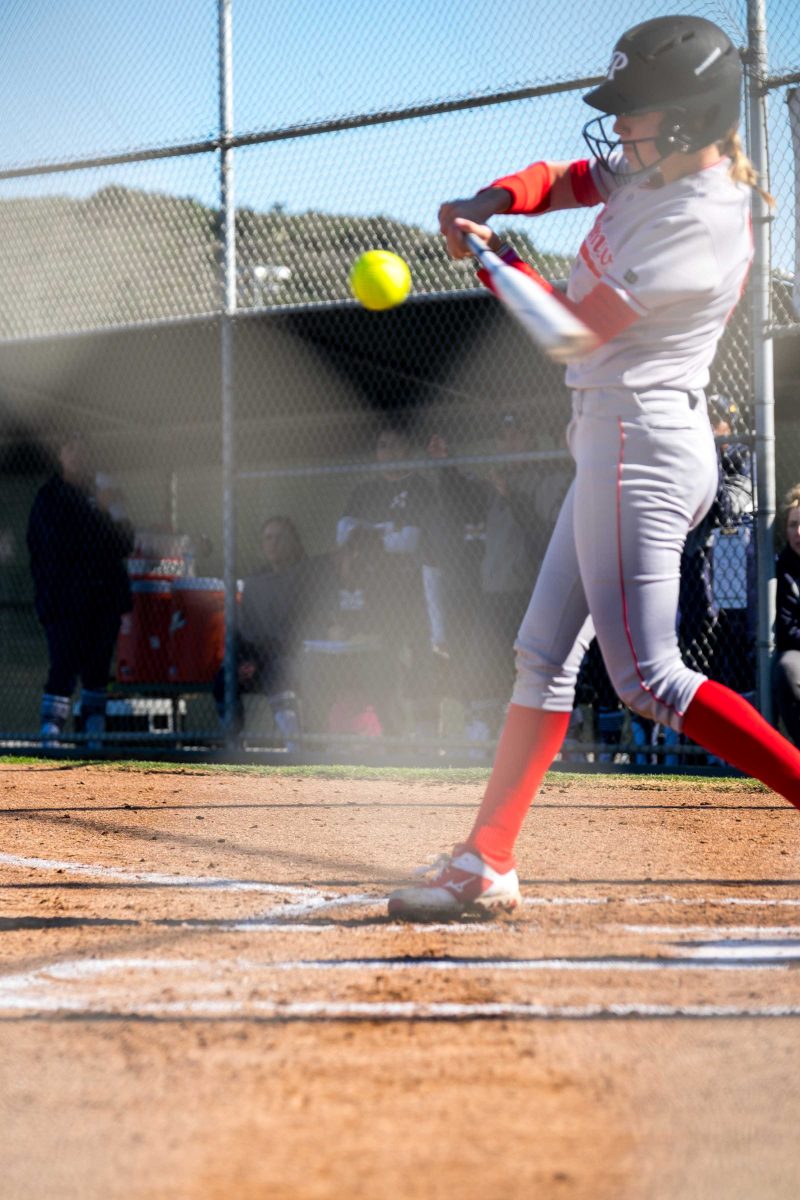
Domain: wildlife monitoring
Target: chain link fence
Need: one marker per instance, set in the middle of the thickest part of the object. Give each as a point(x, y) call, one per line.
point(374, 490)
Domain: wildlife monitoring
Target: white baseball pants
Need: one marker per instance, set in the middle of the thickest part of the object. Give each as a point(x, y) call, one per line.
point(646, 473)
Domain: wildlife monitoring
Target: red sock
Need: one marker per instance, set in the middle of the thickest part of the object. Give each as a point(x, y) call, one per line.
point(530, 740)
point(723, 722)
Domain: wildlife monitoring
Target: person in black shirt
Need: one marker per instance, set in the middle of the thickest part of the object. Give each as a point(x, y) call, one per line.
point(268, 629)
point(347, 639)
point(401, 504)
point(78, 539)
point(786, 664)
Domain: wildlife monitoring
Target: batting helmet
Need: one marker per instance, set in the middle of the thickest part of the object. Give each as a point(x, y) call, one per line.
point(684, 65)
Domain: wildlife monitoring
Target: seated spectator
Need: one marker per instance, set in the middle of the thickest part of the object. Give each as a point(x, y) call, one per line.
point(786, 664)
point(269, 628)
point(733, 562)
point(608, 711)
point(459, 533)
point(701, 581)
point(492, 532)
point(514, 539)
point(345, 640)
point(613, 723)
point(78, 538)
point(400, 504)
point(717, 611)
point(733, 576)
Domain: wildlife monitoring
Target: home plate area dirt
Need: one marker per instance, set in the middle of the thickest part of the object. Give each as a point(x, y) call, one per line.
point(201, 995)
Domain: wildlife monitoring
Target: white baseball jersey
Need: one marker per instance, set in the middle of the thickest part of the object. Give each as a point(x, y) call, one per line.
point(646, 464)
point(678, 255)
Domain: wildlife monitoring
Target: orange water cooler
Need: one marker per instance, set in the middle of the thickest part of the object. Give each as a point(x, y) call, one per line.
point(144, 638)
point(197, 630)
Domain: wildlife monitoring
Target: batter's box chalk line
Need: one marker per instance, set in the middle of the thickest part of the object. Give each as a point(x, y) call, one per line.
point(308, 899)
point(107, 987)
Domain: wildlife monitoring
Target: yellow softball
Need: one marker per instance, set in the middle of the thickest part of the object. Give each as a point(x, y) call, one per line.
point(380, 279)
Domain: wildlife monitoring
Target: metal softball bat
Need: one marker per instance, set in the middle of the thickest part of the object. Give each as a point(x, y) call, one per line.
point(557, 331)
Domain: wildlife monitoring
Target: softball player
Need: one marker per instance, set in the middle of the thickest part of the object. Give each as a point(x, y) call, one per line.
point(655, 279)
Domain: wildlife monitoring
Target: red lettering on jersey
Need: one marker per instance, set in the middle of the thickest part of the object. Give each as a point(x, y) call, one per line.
point(595, 251)
point(584, 253)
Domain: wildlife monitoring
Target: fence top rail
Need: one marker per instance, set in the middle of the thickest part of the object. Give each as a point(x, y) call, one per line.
point(779, 81)
point(289, 132)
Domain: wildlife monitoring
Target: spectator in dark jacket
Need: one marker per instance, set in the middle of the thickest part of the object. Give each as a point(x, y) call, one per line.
point(718, 568)
point(519, 518)
point(78, 539)
point(348, 684)
point(400, 503)
point(494, 531)
point(269, 623)
point(786, 666)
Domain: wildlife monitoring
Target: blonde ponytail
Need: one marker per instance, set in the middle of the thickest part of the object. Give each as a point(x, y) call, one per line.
point(742, 170)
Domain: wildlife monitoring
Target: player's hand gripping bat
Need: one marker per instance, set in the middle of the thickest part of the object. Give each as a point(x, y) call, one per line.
point(557, 331)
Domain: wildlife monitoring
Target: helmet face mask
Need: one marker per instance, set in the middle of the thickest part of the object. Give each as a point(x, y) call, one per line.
point(603, 145)
point(672, 137)
point(685, 67)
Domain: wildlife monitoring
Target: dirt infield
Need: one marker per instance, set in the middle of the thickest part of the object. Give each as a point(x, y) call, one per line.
point(201, 996)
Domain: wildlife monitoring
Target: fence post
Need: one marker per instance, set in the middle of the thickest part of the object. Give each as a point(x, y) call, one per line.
point(763, 374)
point(227, 213)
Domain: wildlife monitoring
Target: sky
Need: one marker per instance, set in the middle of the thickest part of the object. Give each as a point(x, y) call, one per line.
point(82, 78)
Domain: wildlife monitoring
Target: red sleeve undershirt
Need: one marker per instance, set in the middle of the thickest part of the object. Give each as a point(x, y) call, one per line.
point(602, 310)
point(531, 188)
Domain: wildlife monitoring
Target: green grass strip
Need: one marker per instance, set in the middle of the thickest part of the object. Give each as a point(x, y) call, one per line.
point(603, 780)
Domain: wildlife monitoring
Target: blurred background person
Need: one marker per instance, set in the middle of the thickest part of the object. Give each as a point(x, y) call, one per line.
point(78, 537)
point(733, 558)
point(514, 539)
point(346, 686)
point(269, 629)
point(718, 587)
point(491, 532)
point(732, 563)
point(400, 503)
point(608, 711)
point(463, 500)
point(786, 663)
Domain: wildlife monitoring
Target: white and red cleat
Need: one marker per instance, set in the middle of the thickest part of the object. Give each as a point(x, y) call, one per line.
point(461, 884)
